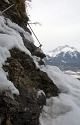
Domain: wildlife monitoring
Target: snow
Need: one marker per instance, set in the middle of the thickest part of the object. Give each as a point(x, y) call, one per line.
point(6, 1)
point(5, 84)
point(47, 57)
point(40, 92)
point(61, 110)
point(20, 30)
point(9, 38)
point(63, 49)
point(63, 61)
point(73, 54)
point(73, 73)
point(64, 109)
point(36, 60)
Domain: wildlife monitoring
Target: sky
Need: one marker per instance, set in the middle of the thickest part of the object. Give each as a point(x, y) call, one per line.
point(60, 22)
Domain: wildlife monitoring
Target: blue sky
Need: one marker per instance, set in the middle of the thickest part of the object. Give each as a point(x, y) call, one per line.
point(60, 21)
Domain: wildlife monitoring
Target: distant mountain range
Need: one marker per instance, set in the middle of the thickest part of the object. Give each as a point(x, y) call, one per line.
point(65, 57)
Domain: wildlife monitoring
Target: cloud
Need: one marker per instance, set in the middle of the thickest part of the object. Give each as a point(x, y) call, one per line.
point(60, 22)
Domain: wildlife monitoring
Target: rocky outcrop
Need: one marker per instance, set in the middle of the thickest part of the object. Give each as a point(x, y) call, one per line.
point(22, 71)
point(28, 79)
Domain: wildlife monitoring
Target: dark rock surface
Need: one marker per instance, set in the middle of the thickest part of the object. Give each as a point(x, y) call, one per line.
point(33, 49)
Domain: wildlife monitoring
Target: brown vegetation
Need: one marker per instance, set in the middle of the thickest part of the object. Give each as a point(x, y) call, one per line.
point(21, 5)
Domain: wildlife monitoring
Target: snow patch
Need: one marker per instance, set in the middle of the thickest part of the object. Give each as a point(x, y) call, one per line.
point(63, 61)
point(6, 1)
point(73, 73)
point(64, 109)
point(36, 60)
point(40, 93)
point(20, 30)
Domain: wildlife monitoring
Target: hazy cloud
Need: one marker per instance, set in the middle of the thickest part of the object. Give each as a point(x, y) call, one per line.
point(60, 22)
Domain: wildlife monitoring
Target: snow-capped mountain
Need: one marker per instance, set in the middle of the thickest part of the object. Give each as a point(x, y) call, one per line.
point(63, 49)
point(65, 57)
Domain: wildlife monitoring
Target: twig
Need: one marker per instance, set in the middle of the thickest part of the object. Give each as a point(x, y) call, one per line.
point(1, 12)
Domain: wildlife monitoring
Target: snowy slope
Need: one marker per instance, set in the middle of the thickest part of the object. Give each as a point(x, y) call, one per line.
point(64, 109)
point(10, 38)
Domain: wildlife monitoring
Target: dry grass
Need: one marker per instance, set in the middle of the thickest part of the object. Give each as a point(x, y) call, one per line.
point(21, 5)
point(22, 9)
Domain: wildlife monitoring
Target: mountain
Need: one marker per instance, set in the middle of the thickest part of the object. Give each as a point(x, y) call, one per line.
point(65, 57)
point(21, 82)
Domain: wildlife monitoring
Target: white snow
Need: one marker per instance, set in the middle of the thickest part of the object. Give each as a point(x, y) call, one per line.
point(73, 73)
point(20, 30)
point(64, 109)
point(40, 92)
point(63, 61)
point(6, 1)
point(5, 84)
point(36, 60)
point(64, 50)
point(9, 38)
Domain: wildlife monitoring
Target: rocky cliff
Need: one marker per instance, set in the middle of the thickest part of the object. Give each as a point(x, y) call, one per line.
point(22, 71)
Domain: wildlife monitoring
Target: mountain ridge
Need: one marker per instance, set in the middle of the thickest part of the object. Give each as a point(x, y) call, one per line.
point(65, 57)
point(60, 49)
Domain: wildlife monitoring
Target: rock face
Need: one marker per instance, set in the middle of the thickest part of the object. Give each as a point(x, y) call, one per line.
point(28, 79)
point(22, 71)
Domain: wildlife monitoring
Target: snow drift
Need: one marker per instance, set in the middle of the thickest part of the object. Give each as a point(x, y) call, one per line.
point(64, 109)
